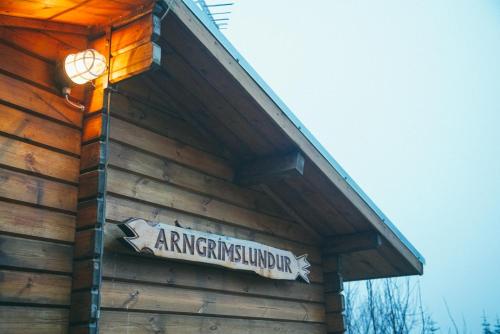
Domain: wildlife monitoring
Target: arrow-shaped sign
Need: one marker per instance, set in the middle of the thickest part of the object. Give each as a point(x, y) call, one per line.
point(185, 244)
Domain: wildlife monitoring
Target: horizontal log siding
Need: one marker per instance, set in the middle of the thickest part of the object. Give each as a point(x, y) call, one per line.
point(154, 175)
point(39, 167)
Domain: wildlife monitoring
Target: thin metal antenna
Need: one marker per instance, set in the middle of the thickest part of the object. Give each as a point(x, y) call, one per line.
point(219, 21)
point(220, 4)
point(220, 13)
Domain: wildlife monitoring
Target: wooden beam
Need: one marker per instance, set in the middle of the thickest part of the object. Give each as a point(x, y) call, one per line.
point(135, 61)
point(89, 233)
point(133, 50)
point(350, 243)
point(29, 23)
point(117, 322)
point(271, 169)
point(144, 29)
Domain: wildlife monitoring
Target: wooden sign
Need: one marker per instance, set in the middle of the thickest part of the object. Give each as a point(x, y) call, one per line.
point(185, 244)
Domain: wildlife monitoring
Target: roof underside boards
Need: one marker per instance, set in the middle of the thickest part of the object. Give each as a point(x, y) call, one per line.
point(77, 12)
point(254, 115)
point(212, 87)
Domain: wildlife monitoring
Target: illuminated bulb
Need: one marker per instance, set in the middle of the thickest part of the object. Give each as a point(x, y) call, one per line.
point(84, 66)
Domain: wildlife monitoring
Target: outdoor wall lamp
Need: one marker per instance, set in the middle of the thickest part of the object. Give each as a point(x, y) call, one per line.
point(78, 69)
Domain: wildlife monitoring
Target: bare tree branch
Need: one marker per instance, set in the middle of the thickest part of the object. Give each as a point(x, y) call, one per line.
point(451, 317)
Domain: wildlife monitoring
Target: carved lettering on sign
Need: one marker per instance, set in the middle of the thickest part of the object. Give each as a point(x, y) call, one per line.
point(185, 244)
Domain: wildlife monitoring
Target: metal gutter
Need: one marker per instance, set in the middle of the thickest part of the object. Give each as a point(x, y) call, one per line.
point(298, 124)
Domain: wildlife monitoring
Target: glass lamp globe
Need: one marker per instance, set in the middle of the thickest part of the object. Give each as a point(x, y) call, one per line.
point(84, 66)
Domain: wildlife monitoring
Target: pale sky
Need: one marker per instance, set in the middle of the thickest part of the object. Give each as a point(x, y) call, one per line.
point(405, 94)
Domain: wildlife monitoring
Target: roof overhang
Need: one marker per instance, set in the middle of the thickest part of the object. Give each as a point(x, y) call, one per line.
point(395, 246)
point(246, 116)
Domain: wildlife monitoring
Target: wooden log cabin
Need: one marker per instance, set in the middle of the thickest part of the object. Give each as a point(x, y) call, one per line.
point(181, 131)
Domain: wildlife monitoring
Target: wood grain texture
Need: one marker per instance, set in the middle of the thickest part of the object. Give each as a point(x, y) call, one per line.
point(33, 320)
point(191, 38)
point(121, 209)
point(27, 66)
point(113, 322)
point(221, 72)
point(333, 282)
point(143, 89)
point(90, 184)
point(165, 93)
point(34, 288)
point(93, 127)
point(85, 307)
point(25, 220)
point(375, 263)
point(334, 299)
point(97, 12)
point(132, 35)
point(96, 94)
point(292, 212)
point(79, 13)
point(158, 271)
point(271, 169)
point(295, 201)
point(154, 298)
point(193, 110)
point(352, 243)
point(48, 45)
point(24, 253)
point(87, 244)
point(128, 158)
point(161, 117)
point(133, 62)
point(166, 195)
point(316, 202)
point(39, 130)
point(87, 255)
point(335, 323)
point(38, 100)
point(37, 10)
point(36, 23)
point(225, 112)
point(91, 155)
point(85, 275)
point(330, 197)
point(169, 148)
point(35, 190)
point(34, 159)
point(334, 302)
point(19, 61)
point(112, 244)
point(89, 213)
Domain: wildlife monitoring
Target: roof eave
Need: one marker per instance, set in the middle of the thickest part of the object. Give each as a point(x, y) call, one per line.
point(376, 216)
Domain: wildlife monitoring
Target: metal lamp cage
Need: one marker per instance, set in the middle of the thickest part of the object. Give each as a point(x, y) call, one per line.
point(84, 66)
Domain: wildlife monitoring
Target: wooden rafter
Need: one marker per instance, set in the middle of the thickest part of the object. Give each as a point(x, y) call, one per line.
point(351, 243)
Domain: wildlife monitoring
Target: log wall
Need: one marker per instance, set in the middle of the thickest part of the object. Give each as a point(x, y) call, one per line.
point(67, 178)
point(40, 139)
point(334, 298)
point(129, 50)
point(52, 174)
point(157, 172)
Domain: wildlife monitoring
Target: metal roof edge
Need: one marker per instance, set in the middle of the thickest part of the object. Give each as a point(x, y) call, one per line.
point(298, 124)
